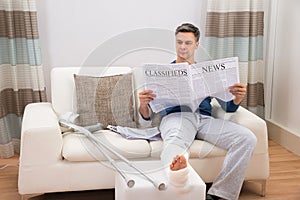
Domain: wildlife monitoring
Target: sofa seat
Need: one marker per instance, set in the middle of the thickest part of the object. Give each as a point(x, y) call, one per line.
point(78, 148)
point(198, 149)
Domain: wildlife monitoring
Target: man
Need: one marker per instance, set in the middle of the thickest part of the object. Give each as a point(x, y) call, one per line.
point(179, 127)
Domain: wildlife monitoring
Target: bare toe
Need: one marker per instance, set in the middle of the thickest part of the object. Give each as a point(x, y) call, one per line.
point(179, 162)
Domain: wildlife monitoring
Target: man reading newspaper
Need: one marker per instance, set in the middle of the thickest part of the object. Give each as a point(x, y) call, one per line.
point(180, 125)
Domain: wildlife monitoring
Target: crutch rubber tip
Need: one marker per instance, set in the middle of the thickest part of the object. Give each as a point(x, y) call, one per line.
point(130, 183)
point(162, 186)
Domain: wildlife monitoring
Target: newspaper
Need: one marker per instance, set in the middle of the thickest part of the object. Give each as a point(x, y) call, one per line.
point(184, 84)
point(151, 134)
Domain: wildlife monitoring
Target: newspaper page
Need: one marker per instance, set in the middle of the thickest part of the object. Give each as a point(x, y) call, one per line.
point(171, 83)
point(213, 78)
point(183, 84)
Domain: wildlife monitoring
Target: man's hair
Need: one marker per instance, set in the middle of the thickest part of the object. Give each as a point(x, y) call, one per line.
point(187, 27)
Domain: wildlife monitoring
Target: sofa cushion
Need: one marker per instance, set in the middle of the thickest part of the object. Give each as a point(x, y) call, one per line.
point(77, 147)
point(198, 149)
point(108, 100)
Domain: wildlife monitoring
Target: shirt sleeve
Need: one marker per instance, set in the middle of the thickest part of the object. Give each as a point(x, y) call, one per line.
point(144, 122)
point(228, 106)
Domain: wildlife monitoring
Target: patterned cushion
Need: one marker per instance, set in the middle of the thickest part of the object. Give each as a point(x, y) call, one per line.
point(108, 100)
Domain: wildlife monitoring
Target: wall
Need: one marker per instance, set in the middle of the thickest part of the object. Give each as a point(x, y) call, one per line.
point(283, 79)
point(78, 32)
point(87, 32)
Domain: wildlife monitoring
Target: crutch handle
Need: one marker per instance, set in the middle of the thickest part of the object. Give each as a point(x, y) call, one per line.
point(130, 183)
point(162, 186)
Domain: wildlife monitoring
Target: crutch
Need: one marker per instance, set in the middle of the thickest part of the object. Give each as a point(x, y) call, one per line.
point(130, 182)
point(159, 186)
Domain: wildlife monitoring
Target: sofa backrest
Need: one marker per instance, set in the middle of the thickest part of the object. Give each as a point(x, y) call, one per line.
point(63, 93)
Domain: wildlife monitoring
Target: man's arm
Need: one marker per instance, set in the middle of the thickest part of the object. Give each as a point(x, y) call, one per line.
point(145, 97)
point(239, 91)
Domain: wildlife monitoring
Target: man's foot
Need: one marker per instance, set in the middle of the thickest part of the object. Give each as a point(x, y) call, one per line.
point(212, 197)
point(179, 162)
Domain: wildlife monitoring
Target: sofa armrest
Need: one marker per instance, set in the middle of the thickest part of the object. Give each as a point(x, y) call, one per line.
point(41, 139)
point(249, 120)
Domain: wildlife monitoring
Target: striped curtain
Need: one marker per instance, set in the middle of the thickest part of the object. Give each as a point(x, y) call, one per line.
point(235, 28)
point(21, 75)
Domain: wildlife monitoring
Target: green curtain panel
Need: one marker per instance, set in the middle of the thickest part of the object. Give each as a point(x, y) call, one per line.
point(21, 72)
point(235, 28)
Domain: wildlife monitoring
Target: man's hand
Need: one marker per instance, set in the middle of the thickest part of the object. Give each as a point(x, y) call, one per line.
point(239, 91)
point(145, 97)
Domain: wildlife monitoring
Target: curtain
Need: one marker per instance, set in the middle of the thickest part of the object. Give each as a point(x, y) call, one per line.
point(235, 28)
point(21, 75)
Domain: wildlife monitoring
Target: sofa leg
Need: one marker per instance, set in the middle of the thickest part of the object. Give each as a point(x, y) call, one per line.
point(263, 187)
point(263, 184)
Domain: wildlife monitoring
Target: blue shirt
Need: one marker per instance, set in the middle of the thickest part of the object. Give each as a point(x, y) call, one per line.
point(204, 107)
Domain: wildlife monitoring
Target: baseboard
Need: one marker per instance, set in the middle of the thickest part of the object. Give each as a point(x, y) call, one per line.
point(284, 137)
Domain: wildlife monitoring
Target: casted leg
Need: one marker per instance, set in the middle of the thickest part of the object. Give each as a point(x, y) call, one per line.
point(179, 162)
point(178, 131)
point(179, 174)
point(239, 143)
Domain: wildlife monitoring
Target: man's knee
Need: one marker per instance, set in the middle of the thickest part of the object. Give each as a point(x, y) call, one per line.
point(249, 138)
point(178, 137)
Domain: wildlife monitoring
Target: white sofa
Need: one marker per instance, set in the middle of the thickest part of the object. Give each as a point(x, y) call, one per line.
point(54, 162)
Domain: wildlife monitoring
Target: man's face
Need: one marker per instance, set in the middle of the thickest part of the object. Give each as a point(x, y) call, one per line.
point(186, 45)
